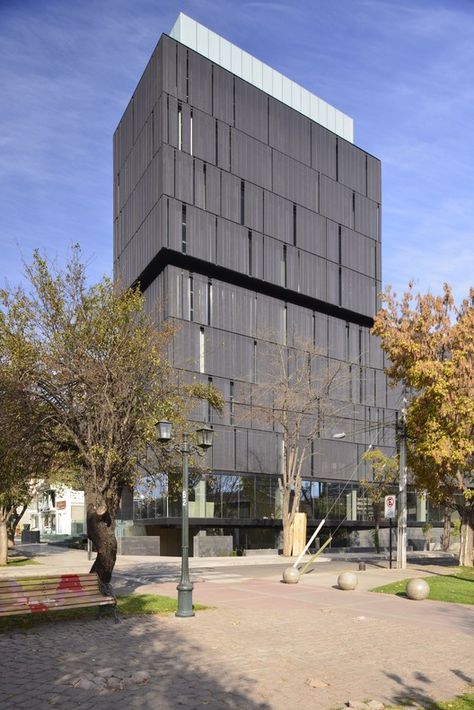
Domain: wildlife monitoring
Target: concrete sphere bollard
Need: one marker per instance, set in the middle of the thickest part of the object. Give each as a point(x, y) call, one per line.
point(291, 575)
point(417, 589)
point(347, 580)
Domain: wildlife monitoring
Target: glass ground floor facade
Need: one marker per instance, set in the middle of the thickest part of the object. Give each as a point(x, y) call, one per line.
point(257, 499)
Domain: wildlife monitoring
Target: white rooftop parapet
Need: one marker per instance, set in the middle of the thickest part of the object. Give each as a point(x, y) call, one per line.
point(227, 55)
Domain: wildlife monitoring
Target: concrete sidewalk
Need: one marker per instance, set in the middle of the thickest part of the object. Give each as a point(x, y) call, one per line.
point(264, 645)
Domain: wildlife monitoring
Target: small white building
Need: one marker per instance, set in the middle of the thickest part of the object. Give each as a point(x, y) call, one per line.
point(57, 510)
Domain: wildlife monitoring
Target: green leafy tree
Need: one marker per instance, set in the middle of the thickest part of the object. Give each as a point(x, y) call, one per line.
point(384, 474)
point(430, 343)
point(97, 365)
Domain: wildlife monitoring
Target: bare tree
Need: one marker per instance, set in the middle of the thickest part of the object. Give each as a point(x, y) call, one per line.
point(297, 393)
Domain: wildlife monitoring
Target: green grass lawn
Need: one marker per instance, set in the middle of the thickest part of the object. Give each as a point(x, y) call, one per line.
point(460, 702)
point(457, 587)
point(130, 605)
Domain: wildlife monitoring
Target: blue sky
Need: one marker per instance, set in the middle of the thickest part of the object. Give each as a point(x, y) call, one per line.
point(403, 69)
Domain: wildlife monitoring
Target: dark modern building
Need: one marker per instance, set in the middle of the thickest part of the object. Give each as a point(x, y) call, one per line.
point(248, 216)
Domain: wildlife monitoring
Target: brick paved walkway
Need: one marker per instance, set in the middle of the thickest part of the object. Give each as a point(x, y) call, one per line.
point(264, 646)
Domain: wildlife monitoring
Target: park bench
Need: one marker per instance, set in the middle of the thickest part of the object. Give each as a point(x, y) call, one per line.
point(33, 595)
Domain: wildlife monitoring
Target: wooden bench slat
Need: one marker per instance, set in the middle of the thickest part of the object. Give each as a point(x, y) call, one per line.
point(30, 595)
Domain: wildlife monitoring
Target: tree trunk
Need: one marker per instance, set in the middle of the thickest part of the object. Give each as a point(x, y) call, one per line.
point(446, 538)
point(13, 523)
point(287, 529)
point(101, 530)
point(3, 543)
point(466, 547)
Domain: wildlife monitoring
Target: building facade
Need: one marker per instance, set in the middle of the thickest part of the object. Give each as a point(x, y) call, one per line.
point(250, 219)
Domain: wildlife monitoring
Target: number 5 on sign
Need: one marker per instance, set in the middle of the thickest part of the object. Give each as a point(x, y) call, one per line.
point(390, 507)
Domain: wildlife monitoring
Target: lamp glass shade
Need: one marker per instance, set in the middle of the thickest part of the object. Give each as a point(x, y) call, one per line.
point(204, 437)
point(163, 431)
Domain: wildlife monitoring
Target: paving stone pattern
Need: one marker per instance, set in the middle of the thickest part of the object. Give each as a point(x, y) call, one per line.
point(265, 646)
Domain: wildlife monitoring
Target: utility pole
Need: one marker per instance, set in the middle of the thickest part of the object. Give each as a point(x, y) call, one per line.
point(402, 495)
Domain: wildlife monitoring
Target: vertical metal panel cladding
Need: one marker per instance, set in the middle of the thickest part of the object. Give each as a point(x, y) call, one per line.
point(184, 177)
point(241, 450)
point(323, 150)
point(174, 217)
point(231, 196)
point(200, 81)
point(204, 136)
point(295, 181)
point(273, 261)
point(256, 249)
point(234, 308)
point(168, 64)
point(174, 292)
point(312, 278)
point(358, 252)
point(223, 107)
point(182, 77)
point(125, 132)
point(172, 120)
point(310, 231)
point(352, 166)
point(147, 92)
point(366, 217)
point(223, 453)
point(321, 330)
point(251, 110)
point(357, 292)
point(232, 248)
point(332, 283)
point(374, 178)
point(375, 352)
point(262, 452)
point(300, 326)
point(337, 338)
point(278, 217)
point(186, 347)
point(165, 163)
point(200, 236)
point(251, 159)
point(223, 145)
point(253, 207)
point(200, 185)
point(290, 132)
point(335, 459)
point(332, 232)
point(269, 320)
point(336, 202)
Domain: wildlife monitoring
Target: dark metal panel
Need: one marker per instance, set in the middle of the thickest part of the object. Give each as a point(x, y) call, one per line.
point(232, 250)
point(186, 346)
point(300, 326)
point(200, 85)
point(310, 231)
point(273, 261)
point(165, 165)
point(223, 95)
point(290, 131)
point(269, 323)
point(312, 279)
point(204, 136)
point(168, 66)
point(182, 85)
point(323, 150)
point(241, 450)
point(186, 128)
point(374, 178)
point(358, 292)
point(230, 197)
point(321, 331)
point(295, 181)
point(332, 232)
point(352, 166)
point(251, 159)
point(358, 252)
point(184, 177)
point(223, 146)
point(258, 266)
point(332, 282)
point(201, 234)
point(223, 453)
point(172, 121)
point(375, 352)
point(278, 218)
point(213, 189)
point(253, 210)
point(251, 110)
point(337, 202)
point(366, 216)
point(262, 452)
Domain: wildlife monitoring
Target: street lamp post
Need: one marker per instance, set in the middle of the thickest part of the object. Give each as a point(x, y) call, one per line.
point(402, 515)
point(204, 442)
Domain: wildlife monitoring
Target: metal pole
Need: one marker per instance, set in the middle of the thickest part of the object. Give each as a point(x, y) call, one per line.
point(390, 542)
point(185, 586)
point(308, 545)
point(402, 516)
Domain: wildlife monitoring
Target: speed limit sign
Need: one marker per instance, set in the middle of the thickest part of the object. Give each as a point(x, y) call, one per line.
point(390, 507)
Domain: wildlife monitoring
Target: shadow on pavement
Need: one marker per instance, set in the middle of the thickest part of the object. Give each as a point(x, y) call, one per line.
point(178, 673)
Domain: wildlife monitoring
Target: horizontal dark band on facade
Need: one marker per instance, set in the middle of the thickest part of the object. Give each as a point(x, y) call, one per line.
point(169, 257)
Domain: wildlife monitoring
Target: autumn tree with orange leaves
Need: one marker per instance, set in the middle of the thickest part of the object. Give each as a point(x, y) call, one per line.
point(430, 343)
